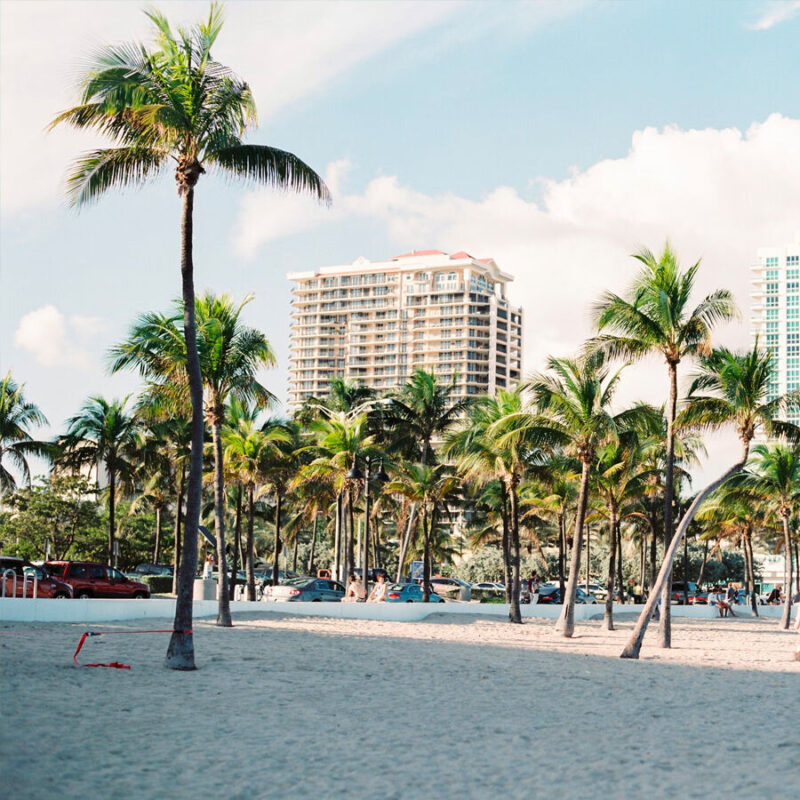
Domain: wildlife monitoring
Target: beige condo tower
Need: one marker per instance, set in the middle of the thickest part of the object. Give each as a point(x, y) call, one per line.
point(377, 321)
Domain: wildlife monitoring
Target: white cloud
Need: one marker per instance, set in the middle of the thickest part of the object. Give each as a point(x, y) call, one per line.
point(717, 194)
point(55, 340)
point(775, 13)
point(288, 51)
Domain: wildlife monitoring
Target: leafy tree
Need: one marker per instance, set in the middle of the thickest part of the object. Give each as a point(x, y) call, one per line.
point(173, 104)
point(56, 518)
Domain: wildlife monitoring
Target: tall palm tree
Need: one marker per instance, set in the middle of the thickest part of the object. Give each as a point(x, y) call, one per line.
point(103, 435)
point(574, 399)
point(729, 389)
point(17, 417)
point(422, 409)
point(429, 487)
point(656, 316)
point(773, 474)
point(230, 354)
point(174, 104)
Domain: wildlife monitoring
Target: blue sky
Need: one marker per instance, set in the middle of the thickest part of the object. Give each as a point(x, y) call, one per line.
point(557, 137)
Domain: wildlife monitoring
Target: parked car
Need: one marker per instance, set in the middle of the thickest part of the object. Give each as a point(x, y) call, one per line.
point(153, 569)
point(264, 575)
point(452, 587)
point(598, 591)
point(408, 593)
point(489, 589)
point(678, 593)
point(698, 598)
point(46, 585)
point(314, 590)
point(89, 579)
point(373, 573)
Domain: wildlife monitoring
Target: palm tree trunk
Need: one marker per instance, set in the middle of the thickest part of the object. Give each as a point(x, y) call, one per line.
point(753, 600)
point(665, 624)
point(157, 545)
point(278, 543)
point(337, 542)
point(608, 617)
point(180, 652)
point(294, 555)
point(703, 563)
point(787, 549)
point(514, 613)
point(313, 544)
point(405, 540)
point(566, 622)
point(112, 479)
point(653, 545)
point(562, 533)
point(251, 556)
point(634, 645)
point(351, 534)
point(176, 555)
point(507, 577)
point(426, 556)
point(237, 541)
point(620, 578)
point(223, 595)
point(797, 566)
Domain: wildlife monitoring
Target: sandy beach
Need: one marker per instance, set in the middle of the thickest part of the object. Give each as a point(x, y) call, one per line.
point(285, 706)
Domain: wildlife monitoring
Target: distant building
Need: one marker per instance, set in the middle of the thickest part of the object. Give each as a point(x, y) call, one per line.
point(775, 315)
point(377, 321)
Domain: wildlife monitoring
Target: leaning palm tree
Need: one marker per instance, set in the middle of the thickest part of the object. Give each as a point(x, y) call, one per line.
point(656, 317)
point(17, 417)
point(422, 409)
point(429, 487)
point(729, 389)
point(574, 399)
point(173, 104)
point(773, 475)
point(103, 435)
point(230, 354)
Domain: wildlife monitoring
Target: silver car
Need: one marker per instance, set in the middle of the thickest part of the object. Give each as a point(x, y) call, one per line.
point(308, 590)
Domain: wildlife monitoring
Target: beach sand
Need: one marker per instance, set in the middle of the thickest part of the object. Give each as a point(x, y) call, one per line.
point(286, 706)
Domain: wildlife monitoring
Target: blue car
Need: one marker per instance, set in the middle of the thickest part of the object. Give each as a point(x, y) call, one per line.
point(408, 593)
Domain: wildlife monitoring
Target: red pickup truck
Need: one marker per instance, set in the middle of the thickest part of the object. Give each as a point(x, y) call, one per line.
point(89, 579)
point(24, 572)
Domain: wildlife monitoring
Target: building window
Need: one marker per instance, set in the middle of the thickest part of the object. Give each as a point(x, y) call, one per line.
point(773, 261)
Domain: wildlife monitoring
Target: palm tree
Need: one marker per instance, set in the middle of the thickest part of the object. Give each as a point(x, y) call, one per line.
point(230, 354)
point(773, 475)
point(420, 410)
point(429, 487)
point(729, 389)
point(656, 317)
point(103, 434)
point(17, 417)
point(249, 449)
point(174, 104)
point(574, 400)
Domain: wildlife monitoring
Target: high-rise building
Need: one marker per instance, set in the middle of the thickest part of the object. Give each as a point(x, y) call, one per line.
point(775, 315)
point(377, 321)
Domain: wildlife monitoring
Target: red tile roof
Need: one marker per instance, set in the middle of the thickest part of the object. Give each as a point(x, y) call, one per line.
point(460, 254)
point(414, 253)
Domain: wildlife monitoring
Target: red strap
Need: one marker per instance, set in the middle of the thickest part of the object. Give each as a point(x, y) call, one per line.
point(113, 664)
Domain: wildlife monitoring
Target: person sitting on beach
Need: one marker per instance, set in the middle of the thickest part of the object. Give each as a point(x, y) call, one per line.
point(775, 597)
point(378, 593)
point(355, 590)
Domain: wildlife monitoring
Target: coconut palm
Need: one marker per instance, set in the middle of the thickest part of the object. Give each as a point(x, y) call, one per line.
point(422, 409)
point(574, 400)
point(173, 104)
point(773, 475)
point(729, 389)
point(230, 354)
point(429, 486)
point(656, 316)
point(17, 417)
point(103, 435)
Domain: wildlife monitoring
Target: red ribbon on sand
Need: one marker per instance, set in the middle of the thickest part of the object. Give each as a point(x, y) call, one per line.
point(113, 664)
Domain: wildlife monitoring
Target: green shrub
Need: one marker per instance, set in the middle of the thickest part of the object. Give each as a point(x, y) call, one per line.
point(159, 584)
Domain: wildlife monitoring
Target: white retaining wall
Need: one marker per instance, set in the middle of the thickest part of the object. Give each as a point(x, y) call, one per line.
point(97, 610)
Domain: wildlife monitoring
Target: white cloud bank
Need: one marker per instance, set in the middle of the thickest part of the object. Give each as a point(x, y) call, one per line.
point(775, 13)
point(717, 194)
point(56, 340)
